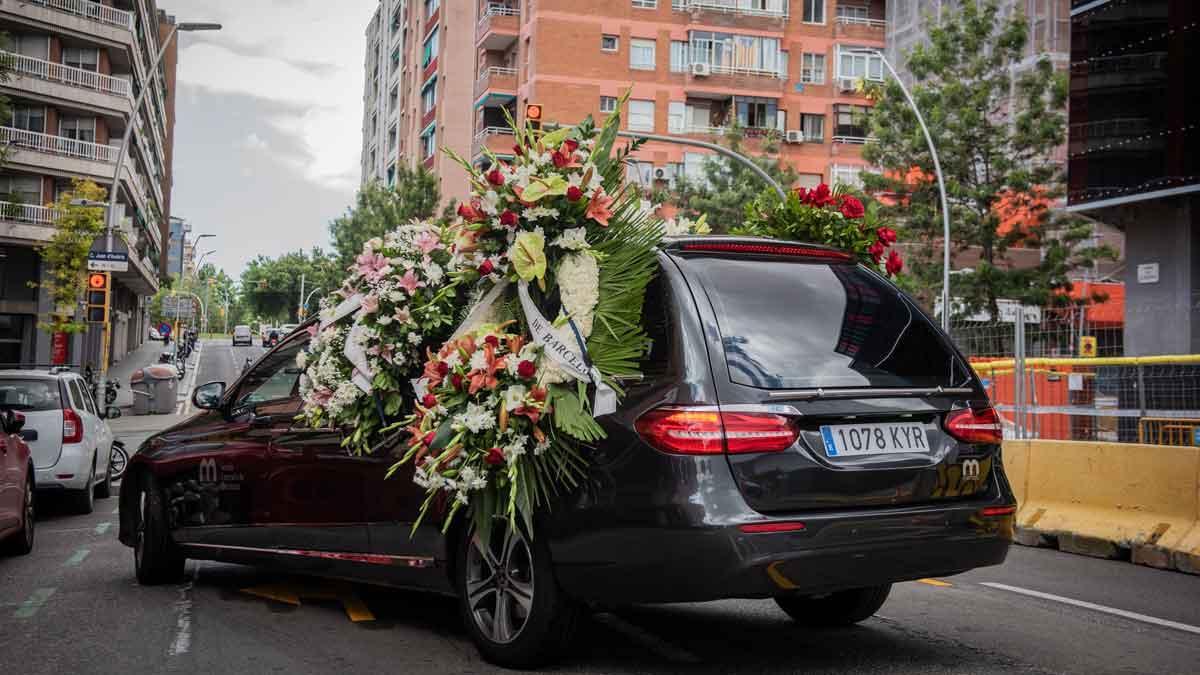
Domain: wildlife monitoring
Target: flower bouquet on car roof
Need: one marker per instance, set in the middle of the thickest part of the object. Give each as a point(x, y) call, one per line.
point(536, 312)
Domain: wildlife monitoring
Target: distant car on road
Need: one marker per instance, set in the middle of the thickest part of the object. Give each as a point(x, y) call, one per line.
point(154, 334)
point(287, 329)
point(67, 434)
point(242, 336)
point(16, 485)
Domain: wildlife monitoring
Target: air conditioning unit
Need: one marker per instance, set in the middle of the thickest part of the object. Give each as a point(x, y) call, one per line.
point(848, 83)
point(701, 70)
point(794, 136)
point(666, 173)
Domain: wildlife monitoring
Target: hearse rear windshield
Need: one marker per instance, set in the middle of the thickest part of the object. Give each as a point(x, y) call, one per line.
point(788, 324)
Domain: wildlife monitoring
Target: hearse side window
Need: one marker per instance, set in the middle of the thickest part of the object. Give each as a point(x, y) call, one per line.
point(658, 324)
point(273, 379)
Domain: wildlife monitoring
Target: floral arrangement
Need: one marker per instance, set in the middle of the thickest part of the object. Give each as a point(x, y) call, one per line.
point(403, 292)
point(820, 215)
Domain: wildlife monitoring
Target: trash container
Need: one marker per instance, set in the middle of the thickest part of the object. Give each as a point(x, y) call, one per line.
point(162, 383)
point(140, 388)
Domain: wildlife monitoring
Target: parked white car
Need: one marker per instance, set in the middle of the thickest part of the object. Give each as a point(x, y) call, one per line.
point(68, 438)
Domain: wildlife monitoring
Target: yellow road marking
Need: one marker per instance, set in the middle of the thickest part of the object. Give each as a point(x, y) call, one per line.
point(292, 593)
point(935, 582)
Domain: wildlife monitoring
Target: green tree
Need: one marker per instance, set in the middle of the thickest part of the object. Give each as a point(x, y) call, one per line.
point(379, 209)
point(65, 255)
point(728, 186)
point(271, 286)
point(995, 133)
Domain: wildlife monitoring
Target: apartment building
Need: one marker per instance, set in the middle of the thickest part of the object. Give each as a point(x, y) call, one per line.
point(77, 66)
point(418, 90)
point(783, 70)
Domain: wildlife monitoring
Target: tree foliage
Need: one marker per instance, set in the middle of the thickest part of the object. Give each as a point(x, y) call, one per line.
point(271, 286)
point(380, 209)
point(728, 186)
point(65, 255)
point(995, 134)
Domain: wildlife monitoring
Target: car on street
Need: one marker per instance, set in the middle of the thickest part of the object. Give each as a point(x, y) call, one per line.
point(242, 336)
point(801, 431)
point(154, 334)
point(287, 329)
point(17, 482)
point(67, 433)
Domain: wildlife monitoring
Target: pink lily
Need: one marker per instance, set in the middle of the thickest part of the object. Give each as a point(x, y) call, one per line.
point(370, 303)
point(598, 209)
point(427, 242)
point(410, 282)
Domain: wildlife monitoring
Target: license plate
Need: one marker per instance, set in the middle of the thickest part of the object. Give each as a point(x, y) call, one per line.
point(874, 439)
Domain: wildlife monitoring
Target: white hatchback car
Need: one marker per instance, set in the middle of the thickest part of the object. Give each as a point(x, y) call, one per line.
point(68, 438)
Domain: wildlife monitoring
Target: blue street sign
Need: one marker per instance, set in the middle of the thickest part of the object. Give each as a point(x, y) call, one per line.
point(164, 329)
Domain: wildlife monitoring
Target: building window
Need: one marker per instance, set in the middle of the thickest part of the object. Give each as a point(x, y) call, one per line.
point(608, 104)
point(430, 51)
point(639, 173)
point(842, 174)
point(679, 56)
point(30, 119)
point(641, 115)
point(812, 68)
point(855, 13)
point(756, 113)
point(608, 43)
point(78, 128)
point(693, 167)
point(814, 11)
point(859, 63)
point(850, 121)
point(429, 96)
point(431, 6)
point(641, 54)
point(22, 189)
point(677, 117)
point(395, 63)
point(725, 52)
point(429, 142)
point(645, 4)
point(813, 127)
point(76, 57)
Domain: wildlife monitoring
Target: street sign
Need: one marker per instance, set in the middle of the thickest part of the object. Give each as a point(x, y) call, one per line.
point(178, 307)
point(1087, 346)
point(108, 261)
point(164, 329)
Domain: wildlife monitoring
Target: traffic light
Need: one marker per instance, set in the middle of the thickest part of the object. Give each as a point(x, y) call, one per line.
point(533, 115)
point(97, 297)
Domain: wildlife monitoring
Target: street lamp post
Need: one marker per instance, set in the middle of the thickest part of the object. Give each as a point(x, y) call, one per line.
point(937, 167)
point(304, 307)
point(110, 219)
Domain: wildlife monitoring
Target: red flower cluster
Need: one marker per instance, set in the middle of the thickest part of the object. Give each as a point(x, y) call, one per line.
point(821, 197)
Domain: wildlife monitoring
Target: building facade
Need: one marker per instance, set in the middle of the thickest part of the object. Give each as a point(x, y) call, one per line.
point(784, 71)
point(77, 67)
point(1134, 156)
point(418, 90)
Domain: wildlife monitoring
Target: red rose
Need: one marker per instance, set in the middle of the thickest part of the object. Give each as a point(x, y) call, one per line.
point(495, 456)
point(894, 263)
point(456, 381)
point(886, 234)
point(495, 177)
point(876, 251)
point(526, 369)
point(470, 212)
point(428, 440)
point(492, 340)
point(443, 368)
point(820, 196)
point(508, 219)
point(429, 401)
point(574, 194)
point(486, 268)
point(851, 207)
point(570, 145)
point(560, 159)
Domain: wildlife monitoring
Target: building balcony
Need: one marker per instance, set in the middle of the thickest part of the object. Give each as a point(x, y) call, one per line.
point(21, 140)
point(498, 25)
point(496, 80)
point(91, 11)
point(736, 13)
point(726, 77)
point(64, 84)
point(497, 140)
point(26, 222)
point(859, 28)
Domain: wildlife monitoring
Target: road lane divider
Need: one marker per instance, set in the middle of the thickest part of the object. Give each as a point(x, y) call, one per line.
point(77, 557)
point(102, 528)
point(1133, 616)
point(1109, 500)
point(181, 640)
point(36, 601)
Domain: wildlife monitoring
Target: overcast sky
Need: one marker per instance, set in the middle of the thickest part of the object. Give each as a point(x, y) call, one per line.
point(268, 122)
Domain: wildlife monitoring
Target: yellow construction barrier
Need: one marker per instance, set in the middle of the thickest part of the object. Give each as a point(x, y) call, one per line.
point(984, 367)
point(1104, 499)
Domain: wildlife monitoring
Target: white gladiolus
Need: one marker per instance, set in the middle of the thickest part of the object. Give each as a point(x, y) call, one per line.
point(573, 239)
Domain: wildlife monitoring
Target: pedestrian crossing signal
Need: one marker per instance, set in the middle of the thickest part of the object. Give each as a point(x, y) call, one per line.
point(97, 297)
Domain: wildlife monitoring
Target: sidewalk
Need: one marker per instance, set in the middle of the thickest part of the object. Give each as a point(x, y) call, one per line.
point(134, 430)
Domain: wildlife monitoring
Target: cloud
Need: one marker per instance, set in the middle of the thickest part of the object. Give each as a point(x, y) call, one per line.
point(252, 142)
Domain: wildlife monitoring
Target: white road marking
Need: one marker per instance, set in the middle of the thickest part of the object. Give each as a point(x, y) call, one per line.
point(647, 639)
point(1134, 616)
point(185, 406)
point(182, 642)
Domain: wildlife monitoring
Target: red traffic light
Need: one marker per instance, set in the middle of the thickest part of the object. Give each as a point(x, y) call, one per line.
point(533, 112)
point(97, 280)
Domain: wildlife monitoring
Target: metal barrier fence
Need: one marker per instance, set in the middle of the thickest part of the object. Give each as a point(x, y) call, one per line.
point(1059, 374)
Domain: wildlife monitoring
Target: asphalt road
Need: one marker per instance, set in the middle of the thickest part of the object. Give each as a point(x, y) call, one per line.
point(73, 606)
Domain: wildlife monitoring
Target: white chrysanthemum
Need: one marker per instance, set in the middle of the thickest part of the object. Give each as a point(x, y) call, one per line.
point(454, 359)
point(475, 418)
point(579, 287)
point(514, 397)
point(433, 272)
point(572, 239)
point(478, 360)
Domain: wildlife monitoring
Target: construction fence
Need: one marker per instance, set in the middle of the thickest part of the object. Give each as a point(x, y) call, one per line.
point(1057, 374)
